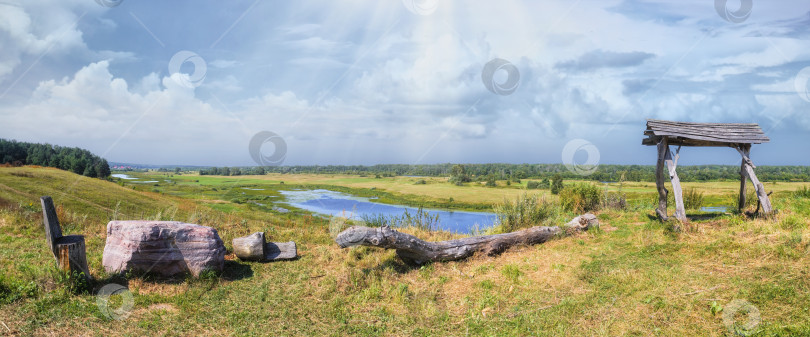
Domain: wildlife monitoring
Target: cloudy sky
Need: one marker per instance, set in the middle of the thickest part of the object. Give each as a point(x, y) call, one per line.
point(366, 82)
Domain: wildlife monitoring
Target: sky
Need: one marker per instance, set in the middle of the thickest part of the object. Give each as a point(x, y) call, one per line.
point(240, 83)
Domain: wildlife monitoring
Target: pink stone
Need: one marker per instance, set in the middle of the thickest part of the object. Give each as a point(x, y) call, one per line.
point(162, 247)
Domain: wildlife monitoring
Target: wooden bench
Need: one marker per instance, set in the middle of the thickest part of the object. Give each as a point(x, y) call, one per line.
point(68, 250)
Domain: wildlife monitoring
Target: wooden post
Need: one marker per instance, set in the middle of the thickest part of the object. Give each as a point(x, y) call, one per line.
point(742, 180)
point(659, 180)
point(748, 166)
point(680, 212)
point(69, 251)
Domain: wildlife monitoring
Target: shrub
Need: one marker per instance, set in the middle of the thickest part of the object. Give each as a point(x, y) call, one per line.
point(491, 181)
point(750, 199)
point(803, 192)
point(526, 211)
point(580, 197)
point(531, 185)
point(692, 198)
point(420, 182)
point(556, 184)
point(614, 200)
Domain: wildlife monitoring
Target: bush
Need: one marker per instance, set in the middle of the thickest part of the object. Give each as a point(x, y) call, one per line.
point(614, 200)
point(526, 211)
point(531, 185)
point(556, 184)
point(580, 197)
point(420, 182)
point(491, 182)
point(692, 199)
point(803, 192)
point(750, 199)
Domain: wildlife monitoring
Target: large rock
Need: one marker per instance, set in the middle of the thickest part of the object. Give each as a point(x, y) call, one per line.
point(162, 247)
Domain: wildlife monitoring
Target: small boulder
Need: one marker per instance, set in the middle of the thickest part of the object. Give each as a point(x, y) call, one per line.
point(162, 247)
point(585, 221)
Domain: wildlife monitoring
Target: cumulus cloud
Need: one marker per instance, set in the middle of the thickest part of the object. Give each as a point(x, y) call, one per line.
point(367, 85)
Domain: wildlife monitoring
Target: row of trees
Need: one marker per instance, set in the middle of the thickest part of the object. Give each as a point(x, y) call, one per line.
point(233, 171)
point(71, 159)
point(515, 172)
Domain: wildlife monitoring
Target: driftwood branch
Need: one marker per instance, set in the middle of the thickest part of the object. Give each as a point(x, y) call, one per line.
point(411, 248)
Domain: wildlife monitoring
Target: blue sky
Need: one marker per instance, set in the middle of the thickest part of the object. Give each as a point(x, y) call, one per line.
point(366, 82)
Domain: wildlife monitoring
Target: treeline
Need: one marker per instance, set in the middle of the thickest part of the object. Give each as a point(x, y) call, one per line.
point(71, 159)
point(478, 172)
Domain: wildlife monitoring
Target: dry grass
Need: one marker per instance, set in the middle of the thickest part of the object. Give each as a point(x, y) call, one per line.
point(633, 277)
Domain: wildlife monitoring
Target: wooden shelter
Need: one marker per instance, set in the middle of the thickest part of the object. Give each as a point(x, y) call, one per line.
point(739, 136)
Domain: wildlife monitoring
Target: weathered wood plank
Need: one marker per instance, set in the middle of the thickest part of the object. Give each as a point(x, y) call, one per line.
point(276, 251)
point(53, 230)
point(413, 249)
point(661, 121)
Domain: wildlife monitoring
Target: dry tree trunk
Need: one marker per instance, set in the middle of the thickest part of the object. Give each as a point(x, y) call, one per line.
point(413, 249)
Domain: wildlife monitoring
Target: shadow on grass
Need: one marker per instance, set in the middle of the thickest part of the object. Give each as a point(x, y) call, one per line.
point(397, 264)
point(704, 216)
point(235, 271)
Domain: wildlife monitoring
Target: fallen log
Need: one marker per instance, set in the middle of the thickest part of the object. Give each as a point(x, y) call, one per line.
point(413, 249)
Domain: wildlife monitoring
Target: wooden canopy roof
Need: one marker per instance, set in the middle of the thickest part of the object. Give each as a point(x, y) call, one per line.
point(703, 134)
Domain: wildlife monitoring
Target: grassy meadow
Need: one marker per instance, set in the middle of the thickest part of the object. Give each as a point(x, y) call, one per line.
point(633, 276)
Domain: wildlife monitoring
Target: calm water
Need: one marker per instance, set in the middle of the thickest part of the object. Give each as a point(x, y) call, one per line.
point(721, 209)
point(336, 203)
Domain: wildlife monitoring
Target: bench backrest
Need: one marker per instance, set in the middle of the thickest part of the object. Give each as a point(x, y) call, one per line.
point(53, 230)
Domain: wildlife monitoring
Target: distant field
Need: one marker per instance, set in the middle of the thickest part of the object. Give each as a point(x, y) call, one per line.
point(633, 276)
point(437, 188)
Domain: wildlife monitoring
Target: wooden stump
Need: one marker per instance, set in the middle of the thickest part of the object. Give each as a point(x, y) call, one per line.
point(250, 248)
point(71, 255)
point(254, 248)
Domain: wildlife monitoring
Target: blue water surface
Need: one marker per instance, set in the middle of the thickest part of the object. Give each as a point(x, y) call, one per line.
point(342, 204)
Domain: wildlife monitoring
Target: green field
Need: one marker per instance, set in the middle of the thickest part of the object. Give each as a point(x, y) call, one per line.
point(633, 276)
